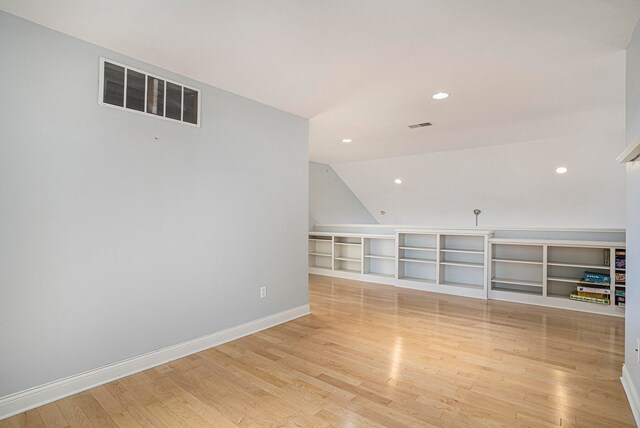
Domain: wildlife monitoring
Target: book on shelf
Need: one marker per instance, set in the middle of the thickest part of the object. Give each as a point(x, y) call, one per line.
point(596, 277)
point(593, 295)
point(621, 259)
point(596, 290)
point(621, 277)
point(601, 301)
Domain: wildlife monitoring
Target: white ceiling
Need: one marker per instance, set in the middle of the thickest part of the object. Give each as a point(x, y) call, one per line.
point(517, 70)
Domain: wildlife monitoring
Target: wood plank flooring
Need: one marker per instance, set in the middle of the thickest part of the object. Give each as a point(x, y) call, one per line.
point(375, 355)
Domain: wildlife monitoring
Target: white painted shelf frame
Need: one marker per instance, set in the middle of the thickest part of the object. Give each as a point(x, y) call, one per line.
point(546, 272)
point(446, 261)
point(471, 263)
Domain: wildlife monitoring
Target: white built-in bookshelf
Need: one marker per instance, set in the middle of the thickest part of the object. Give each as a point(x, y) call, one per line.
point(472, 263)
point(380, 256)
point(321, 252)
point(443, 261)
point(546, 272)
point(347, 254)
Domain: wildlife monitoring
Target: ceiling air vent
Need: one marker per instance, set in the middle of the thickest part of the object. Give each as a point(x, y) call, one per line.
point(420, 125)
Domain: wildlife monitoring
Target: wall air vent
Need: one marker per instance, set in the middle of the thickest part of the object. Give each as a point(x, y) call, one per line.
point(420, 125)
point(126, 88)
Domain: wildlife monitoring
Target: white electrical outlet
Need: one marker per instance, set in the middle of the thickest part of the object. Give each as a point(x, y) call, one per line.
point(263, 292)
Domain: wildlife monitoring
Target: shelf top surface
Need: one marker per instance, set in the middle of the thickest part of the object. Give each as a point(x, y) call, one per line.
point(413, 278)
point(517, 281)
point(354, 235)
point(558, 242)
point(462, 284)
point(418, 248)
point(461, 232)
point(577, 281)
point(465, 232)
point(523, 261)
point(457, 250)
point(465, 229)
point(579, 265)
point(347, 259)
point(455, 263)
point(515, 290)
point(410, 259)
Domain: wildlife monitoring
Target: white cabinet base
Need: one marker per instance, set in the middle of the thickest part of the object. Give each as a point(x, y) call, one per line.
point(556, 302)
point(454, 290)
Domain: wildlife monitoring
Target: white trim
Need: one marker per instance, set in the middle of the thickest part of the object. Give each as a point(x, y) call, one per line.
point(144, 112)
point(353, 235)
point(465, 232)
point(557, 242)
point(553, 302)
point(631, 152)
point(525, 229)
point(632, 393)
point(19, 402)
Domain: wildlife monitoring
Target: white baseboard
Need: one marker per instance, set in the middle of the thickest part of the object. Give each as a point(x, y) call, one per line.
point(14, 404)
point(632, 393)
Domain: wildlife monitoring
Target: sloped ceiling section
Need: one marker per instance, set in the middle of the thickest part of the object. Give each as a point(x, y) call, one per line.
point(515, 185)
point(517, 70)
point(331, 201)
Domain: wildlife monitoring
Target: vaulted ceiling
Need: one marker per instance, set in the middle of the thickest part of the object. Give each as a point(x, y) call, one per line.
point(517, 70)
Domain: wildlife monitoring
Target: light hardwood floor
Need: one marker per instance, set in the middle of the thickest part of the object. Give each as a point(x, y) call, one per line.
point(374, 355)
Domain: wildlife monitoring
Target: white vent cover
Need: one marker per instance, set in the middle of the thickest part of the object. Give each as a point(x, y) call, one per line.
point(129, 89)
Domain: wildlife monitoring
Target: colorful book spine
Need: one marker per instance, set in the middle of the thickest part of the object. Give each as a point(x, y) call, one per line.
point(593, 295)
point(596, 277)
point(596, 290)
point(621, 259)
point(575, 296)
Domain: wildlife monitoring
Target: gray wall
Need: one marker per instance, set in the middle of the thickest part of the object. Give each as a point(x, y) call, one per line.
point(632, 323)
point(114, 243)
point(331, 201)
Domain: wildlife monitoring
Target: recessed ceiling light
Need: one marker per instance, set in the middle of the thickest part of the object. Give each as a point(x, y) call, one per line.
point(561, 170)
point(347, 140)
point(397, 181)
point(440, 96)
